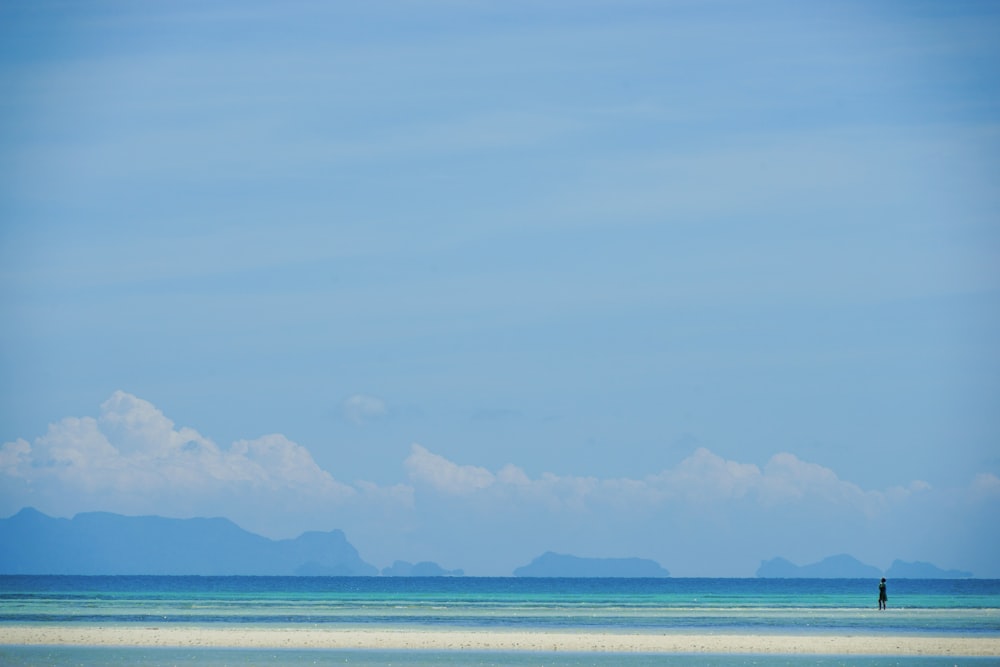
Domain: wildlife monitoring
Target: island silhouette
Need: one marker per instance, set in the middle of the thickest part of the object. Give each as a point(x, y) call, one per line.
point(103, 543)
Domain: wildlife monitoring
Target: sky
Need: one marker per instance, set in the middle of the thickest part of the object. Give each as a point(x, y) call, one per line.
point(702, 282)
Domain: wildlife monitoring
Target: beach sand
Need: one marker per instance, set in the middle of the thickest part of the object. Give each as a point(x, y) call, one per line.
point(486, 640)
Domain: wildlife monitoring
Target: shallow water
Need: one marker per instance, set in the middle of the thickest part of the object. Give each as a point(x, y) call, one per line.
point(788, 606)
point(824, 606)
point(210, 657)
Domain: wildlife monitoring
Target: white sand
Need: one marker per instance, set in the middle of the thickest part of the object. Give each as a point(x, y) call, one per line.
point(184, 636)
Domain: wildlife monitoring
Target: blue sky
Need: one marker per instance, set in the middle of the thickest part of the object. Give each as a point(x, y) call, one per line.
point(705, 282)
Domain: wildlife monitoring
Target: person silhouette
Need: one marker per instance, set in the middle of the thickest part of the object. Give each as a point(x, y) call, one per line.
point(882, 597)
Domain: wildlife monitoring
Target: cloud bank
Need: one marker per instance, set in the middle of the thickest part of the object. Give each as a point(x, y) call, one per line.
point(702, 479)
point(132, 459)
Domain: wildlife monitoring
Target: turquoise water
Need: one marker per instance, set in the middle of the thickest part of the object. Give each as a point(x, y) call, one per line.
point(968, 607)
point(813, 606)
point(101, 657)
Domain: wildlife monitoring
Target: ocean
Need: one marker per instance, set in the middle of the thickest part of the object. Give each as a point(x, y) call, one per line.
point(966, 607)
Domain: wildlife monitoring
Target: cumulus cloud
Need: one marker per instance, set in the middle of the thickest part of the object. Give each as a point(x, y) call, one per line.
point(706, 477)
point(360, 408)
point(702, 479)
point(132, 458)
point(444, 475)
point(705, 499)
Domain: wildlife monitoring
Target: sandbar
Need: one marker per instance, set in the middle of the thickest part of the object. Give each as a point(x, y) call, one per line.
point(494, 640)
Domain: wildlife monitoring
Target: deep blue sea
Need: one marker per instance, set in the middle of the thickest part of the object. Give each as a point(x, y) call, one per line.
point(969, 607)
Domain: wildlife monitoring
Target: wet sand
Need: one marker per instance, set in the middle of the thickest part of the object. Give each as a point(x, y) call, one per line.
point(496, 640)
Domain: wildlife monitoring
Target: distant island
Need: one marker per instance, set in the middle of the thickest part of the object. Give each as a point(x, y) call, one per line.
point(96, 543)
point(833, 567)
point(401, 568)
point(103, 543)
point(844, 566)
point(918, 570)
point(560, 565)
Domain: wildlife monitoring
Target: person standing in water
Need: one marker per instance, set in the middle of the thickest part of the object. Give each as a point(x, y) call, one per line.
point(882, 597)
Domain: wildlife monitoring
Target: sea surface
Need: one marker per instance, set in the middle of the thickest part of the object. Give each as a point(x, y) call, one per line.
point(966, 607)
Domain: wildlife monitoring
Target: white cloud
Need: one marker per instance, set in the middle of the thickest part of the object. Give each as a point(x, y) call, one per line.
point(132, 458)
point(900, 493)
point(277, 461)
point(445, 476)
point(707, 477)
point(511, 474)
point(986, 485)
point(789, 479)
point(702, 479)
point(133, 425)
point(395, 496)
point(14, 455)
point(360, 408)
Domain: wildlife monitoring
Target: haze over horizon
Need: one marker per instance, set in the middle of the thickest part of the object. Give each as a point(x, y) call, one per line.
point(706, 283)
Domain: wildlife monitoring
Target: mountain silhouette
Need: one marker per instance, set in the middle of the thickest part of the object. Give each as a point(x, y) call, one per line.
point(841, 566)
point(402, 568)
point(552, 564)
point(844, 566)
point(103, 543)
point(918, 570)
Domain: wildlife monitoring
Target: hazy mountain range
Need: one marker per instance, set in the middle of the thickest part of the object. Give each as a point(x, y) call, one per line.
point(402, 568)
point(104, 543)
point(99, 543)
point(560, 565)
point(848, 567)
